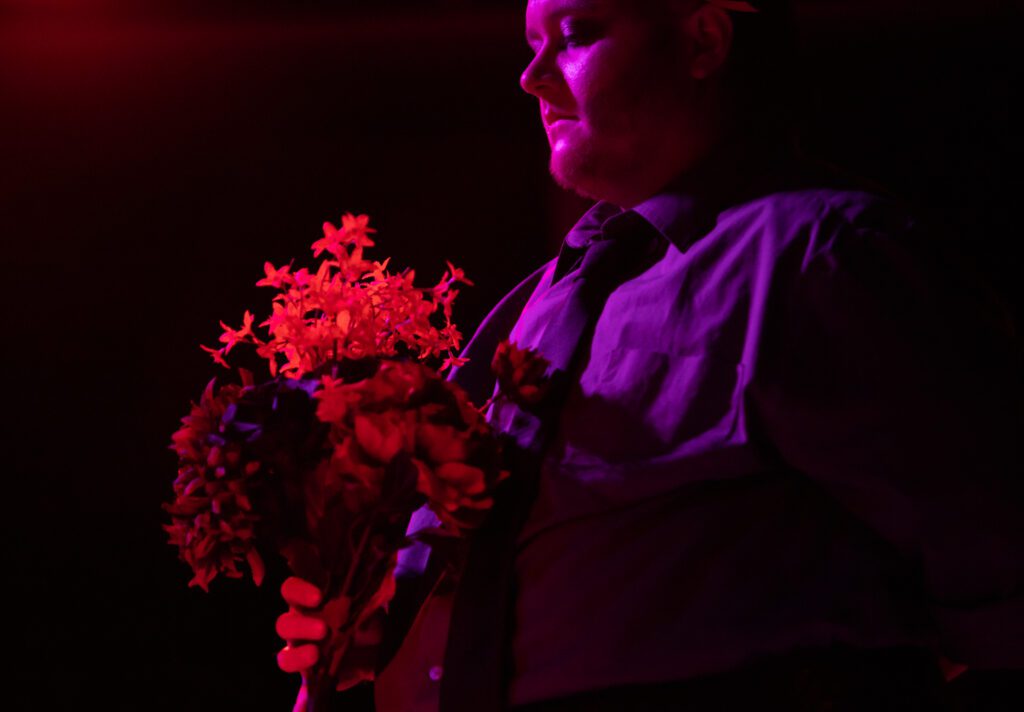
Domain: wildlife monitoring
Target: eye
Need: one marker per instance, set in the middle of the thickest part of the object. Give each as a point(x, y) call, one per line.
point(577, 32)
point(534, 43)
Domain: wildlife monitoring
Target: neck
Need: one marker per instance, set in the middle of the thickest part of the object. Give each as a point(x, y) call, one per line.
point(707, 130)
point(727, 168)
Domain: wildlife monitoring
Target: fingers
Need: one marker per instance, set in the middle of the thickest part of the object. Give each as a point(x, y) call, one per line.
point(297, 659)
point(298, 592)
point(295, 626)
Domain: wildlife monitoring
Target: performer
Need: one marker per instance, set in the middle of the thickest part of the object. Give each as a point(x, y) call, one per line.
point(785, 469)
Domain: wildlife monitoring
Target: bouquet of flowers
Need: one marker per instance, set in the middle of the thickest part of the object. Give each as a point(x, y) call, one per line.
point(354, 429)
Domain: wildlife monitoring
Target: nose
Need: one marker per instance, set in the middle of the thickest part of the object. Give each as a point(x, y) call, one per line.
point(538, 74)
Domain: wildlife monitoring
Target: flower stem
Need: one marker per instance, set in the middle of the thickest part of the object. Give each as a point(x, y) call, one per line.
point(355, 558)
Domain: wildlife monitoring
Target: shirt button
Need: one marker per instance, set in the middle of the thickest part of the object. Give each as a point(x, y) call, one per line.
point(436, 672)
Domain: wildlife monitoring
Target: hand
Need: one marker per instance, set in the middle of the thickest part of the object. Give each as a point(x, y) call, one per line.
point(307, 622)
point(298, 626)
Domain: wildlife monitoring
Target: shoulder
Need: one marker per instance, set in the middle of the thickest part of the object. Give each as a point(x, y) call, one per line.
point(806, 238)
point(815, 219)
point(779, 240)
point(853, 256)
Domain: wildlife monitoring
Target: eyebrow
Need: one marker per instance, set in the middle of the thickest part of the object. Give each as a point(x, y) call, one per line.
point(568, 7)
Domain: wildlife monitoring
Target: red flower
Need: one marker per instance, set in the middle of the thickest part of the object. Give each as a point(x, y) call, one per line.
point(277, 278)
point(212, 520)
point(331, 241)
point(441, 443)
point(522, 374)
point(217, 354)
point(357, 229)
point(380, 435)
point(230, 337)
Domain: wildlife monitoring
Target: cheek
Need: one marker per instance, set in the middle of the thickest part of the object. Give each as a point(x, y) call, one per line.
point(590, 75)
point(575, 73)
point(610, 91)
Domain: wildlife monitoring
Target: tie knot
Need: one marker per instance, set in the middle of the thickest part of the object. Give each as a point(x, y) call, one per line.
point(626, 242)
point(606, 242)
point(627, 224)
point(590, 226)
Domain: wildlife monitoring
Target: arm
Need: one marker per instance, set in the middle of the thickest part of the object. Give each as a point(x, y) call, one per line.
point(888, 381)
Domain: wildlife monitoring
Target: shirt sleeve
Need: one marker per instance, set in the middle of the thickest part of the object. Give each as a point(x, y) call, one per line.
point(890, 379)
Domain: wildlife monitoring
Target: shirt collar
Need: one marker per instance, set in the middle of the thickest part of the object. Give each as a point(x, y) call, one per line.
point(590, 227)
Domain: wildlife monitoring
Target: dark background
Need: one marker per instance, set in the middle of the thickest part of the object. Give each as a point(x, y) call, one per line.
point(153, 154)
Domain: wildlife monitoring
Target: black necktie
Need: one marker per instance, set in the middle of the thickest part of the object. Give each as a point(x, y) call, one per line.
point(476, 664)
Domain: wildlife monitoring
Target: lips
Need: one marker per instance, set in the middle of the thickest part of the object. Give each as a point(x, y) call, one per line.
point(552, 117)
point(556, 125)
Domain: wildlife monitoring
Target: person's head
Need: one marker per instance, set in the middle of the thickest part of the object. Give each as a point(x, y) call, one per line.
point(634, 92)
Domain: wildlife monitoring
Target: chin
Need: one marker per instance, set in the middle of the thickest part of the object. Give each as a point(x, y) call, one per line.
point(573, 172)
point(599, 169)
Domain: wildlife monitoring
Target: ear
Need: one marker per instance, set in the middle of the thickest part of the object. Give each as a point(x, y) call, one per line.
point(709, 30)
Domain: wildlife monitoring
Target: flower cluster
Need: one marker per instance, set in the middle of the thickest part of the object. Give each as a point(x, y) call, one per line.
point(407, 411)
point(212, 517)
point(348, 308)
point(327, 460)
